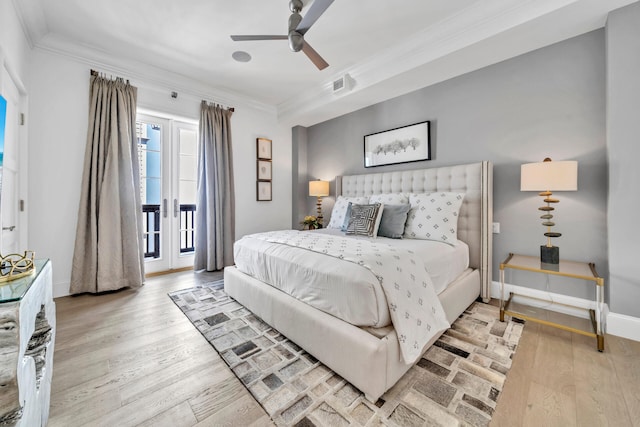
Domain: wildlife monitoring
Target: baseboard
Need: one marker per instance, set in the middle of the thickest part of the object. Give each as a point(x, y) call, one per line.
point(61, 289)
point(170, 271)
point(615, 324)
point(623, 326)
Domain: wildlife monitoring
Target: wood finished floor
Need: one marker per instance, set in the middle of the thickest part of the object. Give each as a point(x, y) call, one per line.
point(132, 358)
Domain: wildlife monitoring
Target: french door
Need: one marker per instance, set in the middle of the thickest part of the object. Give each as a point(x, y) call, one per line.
point(167, 155)
point(11, 216)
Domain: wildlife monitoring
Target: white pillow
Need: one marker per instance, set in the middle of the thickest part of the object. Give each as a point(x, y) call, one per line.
point(390, 198)
point(340, 210)
point(434, 216)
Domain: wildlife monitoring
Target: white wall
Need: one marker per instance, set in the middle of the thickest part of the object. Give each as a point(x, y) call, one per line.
point(253, 216)
point(58, 127)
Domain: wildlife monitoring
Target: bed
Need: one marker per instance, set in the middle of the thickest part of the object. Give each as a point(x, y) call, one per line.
point(368, 353)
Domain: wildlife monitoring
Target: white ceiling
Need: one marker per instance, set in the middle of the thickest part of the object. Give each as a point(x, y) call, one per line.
point(388, 47)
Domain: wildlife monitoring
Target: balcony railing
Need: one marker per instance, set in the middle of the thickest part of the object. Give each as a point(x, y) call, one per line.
point(187, 228)
point(151, 226)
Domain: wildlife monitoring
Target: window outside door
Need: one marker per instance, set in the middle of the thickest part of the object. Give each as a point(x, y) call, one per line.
point(167, 155)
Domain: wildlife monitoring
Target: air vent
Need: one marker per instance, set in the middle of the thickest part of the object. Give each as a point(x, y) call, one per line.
point(343, 84)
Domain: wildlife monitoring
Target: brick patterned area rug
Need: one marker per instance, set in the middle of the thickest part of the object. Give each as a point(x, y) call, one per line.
point(457, 382)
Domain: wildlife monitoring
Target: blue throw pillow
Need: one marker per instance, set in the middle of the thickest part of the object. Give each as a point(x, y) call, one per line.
point(347, 215)
point(393, 220)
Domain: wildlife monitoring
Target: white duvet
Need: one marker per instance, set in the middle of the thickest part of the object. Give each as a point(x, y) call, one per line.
point(414, 308)
point(343, 289)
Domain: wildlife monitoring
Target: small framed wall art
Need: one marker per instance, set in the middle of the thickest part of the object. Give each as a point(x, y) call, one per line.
point(400, 145)
point(264, 149)
point(263, 191)
point(264, 170)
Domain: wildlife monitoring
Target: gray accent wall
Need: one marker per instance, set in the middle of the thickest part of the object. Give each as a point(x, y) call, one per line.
point(623, 143)
point(546, 103)
point(300, 188)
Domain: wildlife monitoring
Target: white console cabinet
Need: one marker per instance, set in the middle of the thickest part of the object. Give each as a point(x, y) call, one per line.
point(27, 335)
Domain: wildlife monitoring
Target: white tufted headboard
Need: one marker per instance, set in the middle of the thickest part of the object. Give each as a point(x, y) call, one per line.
point(476, 213)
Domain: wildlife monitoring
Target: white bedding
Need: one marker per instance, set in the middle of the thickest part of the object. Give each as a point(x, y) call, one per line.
point(341, 288)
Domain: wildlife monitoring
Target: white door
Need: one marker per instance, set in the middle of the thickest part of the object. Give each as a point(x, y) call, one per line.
point(185, 164)
point(10, 167)
point(166, 150)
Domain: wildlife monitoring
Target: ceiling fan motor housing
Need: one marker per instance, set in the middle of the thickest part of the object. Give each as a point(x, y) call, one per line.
point(296, 41)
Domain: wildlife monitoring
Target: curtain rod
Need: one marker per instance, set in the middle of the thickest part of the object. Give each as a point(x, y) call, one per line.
point(97, 73)
point(232, 109)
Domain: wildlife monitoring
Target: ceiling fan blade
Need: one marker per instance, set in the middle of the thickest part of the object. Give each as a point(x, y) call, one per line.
point(314, 56)
point(250, 38)
point(317, 9)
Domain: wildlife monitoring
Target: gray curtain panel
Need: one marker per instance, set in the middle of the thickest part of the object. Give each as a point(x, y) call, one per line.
point(215, 205)
point(108, 251)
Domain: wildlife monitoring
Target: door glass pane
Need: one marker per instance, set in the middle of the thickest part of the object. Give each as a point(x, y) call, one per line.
point(187, 173)
point(150, 158)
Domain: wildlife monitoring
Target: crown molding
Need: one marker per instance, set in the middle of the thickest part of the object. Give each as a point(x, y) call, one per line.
point(479, 35)
point(146, 75)
point(32, 19)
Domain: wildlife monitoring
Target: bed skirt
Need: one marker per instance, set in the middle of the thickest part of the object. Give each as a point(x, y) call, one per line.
point(369, 363)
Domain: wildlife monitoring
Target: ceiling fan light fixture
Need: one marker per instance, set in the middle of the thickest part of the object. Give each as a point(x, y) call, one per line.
point(241, 56)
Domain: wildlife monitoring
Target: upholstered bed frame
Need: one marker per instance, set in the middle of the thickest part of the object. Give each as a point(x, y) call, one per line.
point(373, 363)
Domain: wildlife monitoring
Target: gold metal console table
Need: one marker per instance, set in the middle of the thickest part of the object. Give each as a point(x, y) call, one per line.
point(577, 270)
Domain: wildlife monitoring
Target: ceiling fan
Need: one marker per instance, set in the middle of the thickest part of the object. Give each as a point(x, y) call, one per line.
point(298, 26)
